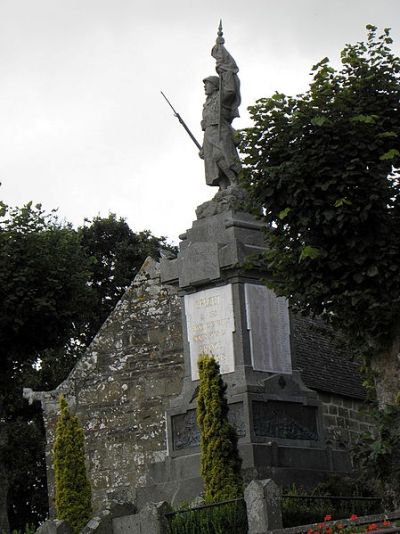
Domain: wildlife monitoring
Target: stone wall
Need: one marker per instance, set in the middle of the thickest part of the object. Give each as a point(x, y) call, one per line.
point(134, 367)
point(122, 387)
point(345, 419)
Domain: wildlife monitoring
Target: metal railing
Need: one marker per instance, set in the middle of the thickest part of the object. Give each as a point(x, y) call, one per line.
point(304, 509)
point(215, 518)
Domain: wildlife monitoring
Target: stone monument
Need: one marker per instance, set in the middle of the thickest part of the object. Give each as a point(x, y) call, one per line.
point(229, 313)
point(221, 161)
point(134, 390)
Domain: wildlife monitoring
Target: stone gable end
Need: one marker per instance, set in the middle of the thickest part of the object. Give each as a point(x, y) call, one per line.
point(121, 388)
point(133, 369)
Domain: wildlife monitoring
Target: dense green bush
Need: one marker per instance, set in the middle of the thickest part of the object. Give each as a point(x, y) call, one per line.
point(301, 507)
point(73, 494)
point(29, 529)
point(220, 462)
point(377, 454)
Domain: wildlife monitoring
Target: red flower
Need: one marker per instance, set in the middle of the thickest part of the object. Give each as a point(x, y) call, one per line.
point(328, 530)
point(386, 523)
point(353, 517)
point(328, 517)
point(372, 526)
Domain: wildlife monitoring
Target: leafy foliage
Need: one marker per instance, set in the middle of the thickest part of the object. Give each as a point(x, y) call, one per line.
point(117, 254)
point(29, 529)
point(73, 494)
point(352, 525)
point(44, 298)
point(220, 462)
point(57, 286)
point(323, 169)
point(27, 495)
point(300, 507)
point(43, 288)
point(377, 455)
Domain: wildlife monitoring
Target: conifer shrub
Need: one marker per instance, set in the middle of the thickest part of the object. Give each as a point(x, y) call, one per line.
point(220, 461)
point(73, 493)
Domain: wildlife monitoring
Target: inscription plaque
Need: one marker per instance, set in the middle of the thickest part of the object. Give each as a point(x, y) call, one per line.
point(269, 330)
point(210, 325)
point(285, 420)
point(186, 433)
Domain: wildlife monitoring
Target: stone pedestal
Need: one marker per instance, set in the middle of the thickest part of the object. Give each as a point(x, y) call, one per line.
point(229, 313)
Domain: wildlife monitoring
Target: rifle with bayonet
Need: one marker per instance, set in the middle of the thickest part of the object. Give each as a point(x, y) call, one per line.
point(192, 137)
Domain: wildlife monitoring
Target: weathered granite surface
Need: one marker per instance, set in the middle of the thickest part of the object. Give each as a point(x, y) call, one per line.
point(232, 198)
point(54, 526)
point(121, 388)
point(263, 501)
point(284, 429)
point(103, 522)
point(132, 373)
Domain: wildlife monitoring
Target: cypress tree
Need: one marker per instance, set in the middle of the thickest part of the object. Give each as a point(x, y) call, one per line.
point(220, 461)
point(73, 493)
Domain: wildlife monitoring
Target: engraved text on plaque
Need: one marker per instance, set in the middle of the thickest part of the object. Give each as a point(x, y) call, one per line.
point(210, 324)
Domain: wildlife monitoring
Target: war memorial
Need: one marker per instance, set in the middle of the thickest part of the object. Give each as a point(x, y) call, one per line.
point(293, 394)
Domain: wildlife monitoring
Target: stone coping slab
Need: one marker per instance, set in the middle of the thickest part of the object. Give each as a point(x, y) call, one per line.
point(360, 521)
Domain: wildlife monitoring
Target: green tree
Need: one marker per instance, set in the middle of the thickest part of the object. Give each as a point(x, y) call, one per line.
point(323, 169)
point(27, 493)
point(220, 461)
point(118, 253)
point(115, 254)
point(377, 455)
point(57, 286)
point(44, 301)
point(44, 293)
point(72, 488)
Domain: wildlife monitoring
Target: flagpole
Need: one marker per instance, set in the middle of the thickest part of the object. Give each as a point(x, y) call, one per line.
point(220, 41)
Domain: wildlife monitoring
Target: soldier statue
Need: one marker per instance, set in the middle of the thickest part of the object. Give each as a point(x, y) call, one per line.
point(221, 160)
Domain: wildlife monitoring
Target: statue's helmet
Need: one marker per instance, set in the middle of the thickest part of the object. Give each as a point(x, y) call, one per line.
point(214, 80)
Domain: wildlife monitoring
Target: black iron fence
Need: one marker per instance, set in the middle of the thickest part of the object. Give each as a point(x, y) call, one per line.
point(216, 518)
point(231, 516)
point(305, 509)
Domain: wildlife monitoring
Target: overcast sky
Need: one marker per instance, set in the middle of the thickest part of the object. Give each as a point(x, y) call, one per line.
point(83, 125)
